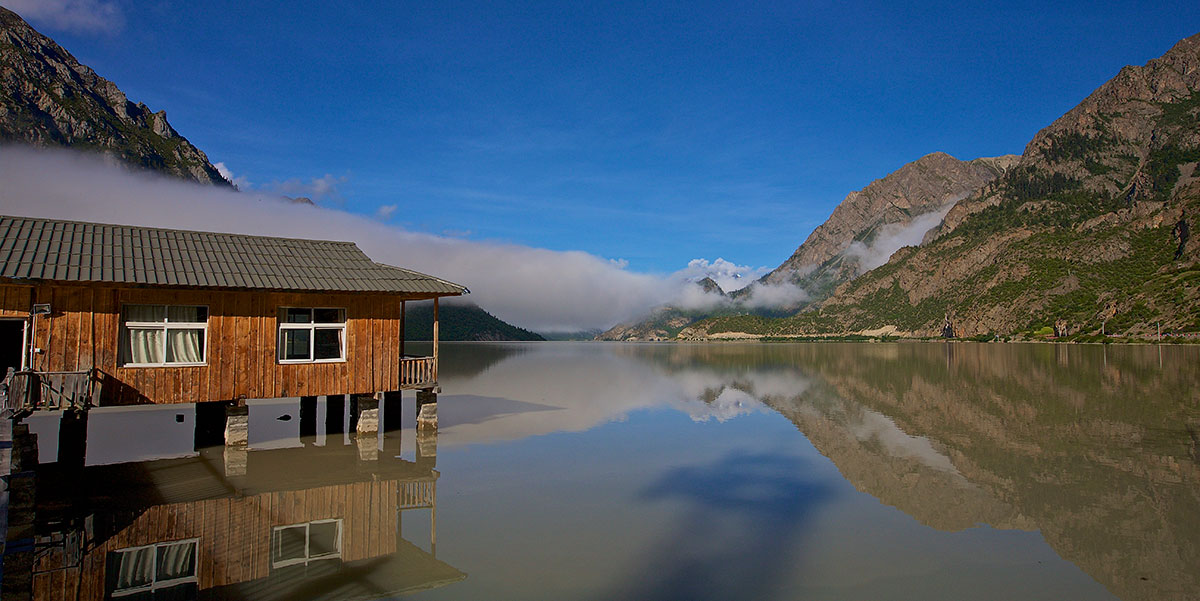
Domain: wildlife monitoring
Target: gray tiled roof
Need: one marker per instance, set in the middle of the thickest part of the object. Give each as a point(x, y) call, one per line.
point(73, 251)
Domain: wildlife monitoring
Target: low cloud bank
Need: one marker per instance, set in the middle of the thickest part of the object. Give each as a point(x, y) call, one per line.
point(732, 277)
point(539, 289)
point(894, 236)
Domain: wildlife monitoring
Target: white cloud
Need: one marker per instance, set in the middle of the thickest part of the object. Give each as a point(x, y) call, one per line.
point(894, 236)
point(240, 182)
point(317, 188)
point(728, 275)
point(766, 296)
point(83, 16)
point(385, 212)
point(534, 288)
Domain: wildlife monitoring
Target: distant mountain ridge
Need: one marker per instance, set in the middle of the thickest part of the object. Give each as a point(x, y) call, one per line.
point(1090, 232)
point(47, 98)
point(461, 322)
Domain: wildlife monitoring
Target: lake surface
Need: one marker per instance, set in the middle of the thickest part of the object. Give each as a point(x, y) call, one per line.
point(655, 471)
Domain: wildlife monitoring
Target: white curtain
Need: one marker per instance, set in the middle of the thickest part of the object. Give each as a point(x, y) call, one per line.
point(185, 346)
point(137, 568)
point(144, 346)
point(176, 561)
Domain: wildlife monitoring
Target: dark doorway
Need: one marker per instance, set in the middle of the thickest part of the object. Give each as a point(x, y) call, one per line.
point(12, 344)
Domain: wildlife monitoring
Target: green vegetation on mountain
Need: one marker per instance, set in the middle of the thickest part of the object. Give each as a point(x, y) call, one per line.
point(47, 98)
point(1089, 232)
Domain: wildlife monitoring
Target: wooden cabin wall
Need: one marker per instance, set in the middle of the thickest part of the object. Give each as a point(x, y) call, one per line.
point(16, 301)
point(83, 332)
point(235, 535)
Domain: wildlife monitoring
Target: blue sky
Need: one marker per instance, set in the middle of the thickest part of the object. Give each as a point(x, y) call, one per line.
point(651, 133)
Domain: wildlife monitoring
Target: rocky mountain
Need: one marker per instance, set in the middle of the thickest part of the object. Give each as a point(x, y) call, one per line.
point(863, 231)
point(870, 224)
point(664, 323)
point(1089, 232)
point(460, 322)
point(47, 98)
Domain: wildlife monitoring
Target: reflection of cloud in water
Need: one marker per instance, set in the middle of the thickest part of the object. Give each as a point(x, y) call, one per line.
point(736, 533)
point(592, 385)
point(874, 425)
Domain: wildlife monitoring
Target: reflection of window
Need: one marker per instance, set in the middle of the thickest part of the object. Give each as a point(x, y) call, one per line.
point(311, 335)
point(153, 567)
point(163, 334)
point(302, 543)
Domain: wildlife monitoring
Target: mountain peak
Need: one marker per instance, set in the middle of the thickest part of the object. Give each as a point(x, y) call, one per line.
point(48, 98)
point(920, 188)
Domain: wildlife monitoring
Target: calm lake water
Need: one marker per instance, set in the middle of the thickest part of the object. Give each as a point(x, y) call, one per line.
point(655, 471)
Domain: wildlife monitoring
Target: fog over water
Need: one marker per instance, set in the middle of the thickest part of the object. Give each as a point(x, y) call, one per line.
point(535, 288)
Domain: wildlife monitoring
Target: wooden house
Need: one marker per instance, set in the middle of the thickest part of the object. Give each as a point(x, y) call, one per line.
point(97, 314)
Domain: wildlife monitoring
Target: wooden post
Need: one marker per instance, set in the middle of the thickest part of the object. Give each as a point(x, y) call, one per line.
point(435, 339)
point(403, 309)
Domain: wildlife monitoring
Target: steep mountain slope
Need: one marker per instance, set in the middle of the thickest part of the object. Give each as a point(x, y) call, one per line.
point(870, 224)
point(863, 231)
point(48, 98)
point(1090, 230)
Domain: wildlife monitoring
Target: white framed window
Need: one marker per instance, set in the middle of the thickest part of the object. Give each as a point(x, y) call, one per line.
point(152, 567)
point(312, 335)
point(158, 335)
point(302, 543)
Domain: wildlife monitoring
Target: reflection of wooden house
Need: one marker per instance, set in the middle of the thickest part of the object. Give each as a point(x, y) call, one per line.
point(301, 523)
point(168, 316)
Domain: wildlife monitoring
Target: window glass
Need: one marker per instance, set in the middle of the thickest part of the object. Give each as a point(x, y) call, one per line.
point(322, 539)
point(136, 568)
point(147, 339)
point(185, 346)
point(329, 315)
point(176, 560)
point(142, 345)
point(155, 313)
point(292, 315)
point(327, 343)
point(289, 544)
point(186, 314)
point(296, 344)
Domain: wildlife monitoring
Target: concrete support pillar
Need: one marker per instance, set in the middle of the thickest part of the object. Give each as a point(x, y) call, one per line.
point(365, 414)
point(427, 409)
point(237, 425)
point(308, 418)
point(237, 437)
point(426, 448)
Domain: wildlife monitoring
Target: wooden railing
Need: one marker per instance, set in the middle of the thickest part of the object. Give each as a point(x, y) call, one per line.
point(417, 371)
point(417, 494)
point(26, 391)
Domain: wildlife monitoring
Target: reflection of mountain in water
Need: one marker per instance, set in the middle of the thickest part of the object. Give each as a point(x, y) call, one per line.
point(1093, 446)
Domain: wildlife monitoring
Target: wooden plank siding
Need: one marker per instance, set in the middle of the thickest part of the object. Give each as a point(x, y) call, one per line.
point(234, 535)
point(83, 332)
